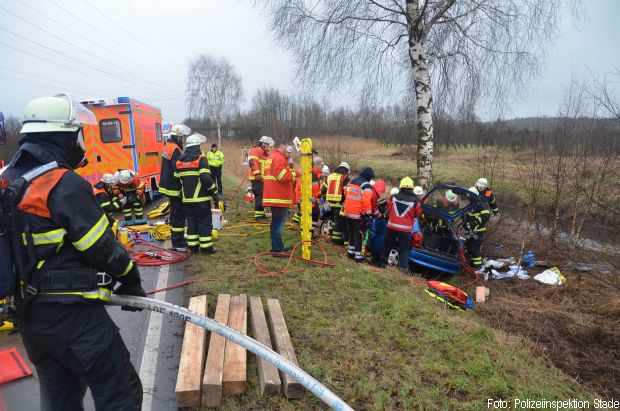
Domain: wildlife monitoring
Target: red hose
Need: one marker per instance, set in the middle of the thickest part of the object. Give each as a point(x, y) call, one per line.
point(291, 256)
point(151, 255)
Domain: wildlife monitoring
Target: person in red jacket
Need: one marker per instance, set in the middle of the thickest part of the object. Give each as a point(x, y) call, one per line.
point(278, 193)
point(132, 190)
point(403, 208)
point(256, 159)
point(378, 189)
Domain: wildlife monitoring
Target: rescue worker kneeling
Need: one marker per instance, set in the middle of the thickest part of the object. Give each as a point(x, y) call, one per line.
point(104, 192)
point(358, 211)
point(197, 191)
point(402, 208)
point(474, 223)
point(67, 331)
point(131, 189)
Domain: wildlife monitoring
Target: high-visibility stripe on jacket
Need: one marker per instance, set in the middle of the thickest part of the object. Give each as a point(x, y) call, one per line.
point(215, 158)
point(333, 189)
point(488, 197)
point(278, 178)
point(256, 160)
point(108, 205)
point(358, 197)
point(168, 185)
point(70, 232)
point(195, 179)
point(403, 211)
point(476, 220)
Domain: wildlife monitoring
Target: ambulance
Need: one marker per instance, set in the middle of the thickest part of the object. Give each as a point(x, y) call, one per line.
point(128, 135)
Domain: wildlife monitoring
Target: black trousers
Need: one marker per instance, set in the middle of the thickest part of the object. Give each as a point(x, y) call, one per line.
point(356, 237)
point(340, 233)
point(391, 237)
point(74, 346)
point(199, 225)
point(177, 220)
point(216, 175)
point(257, 189)
point(474, 249)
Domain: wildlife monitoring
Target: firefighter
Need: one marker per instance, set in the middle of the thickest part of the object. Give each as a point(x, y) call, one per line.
point(67, 331)
point(358, 211)
point(333, 191)
point(170, 187)
point(317, 172)
point(256, 159)
point(131, 189)
point(419, 192)
point(378, 189)
point(216, 162)
point(402, 209)
point(474, 223)
point(278, 193)
point(483, 190)
point(197, 192)
point(104, 192)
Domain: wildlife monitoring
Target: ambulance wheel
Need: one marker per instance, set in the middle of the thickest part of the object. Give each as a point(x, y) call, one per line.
point(393, 260)
point(326, 227)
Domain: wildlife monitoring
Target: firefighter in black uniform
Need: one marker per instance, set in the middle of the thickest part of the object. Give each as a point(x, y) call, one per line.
point(475, 225)
point(170, 186)
point(67, 332)
point(197, 191)
point(105, 194)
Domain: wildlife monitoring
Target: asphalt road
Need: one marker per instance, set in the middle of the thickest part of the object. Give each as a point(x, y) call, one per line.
point(153, 340)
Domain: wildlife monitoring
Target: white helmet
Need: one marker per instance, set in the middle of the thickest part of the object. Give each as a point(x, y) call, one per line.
point(393, 191)
point(125, 176)
point(108, 178)
point(53, 114)
point(194, 140)
point(267, 140)
point(419, 191)
point(451, 196)
point(482, 184)
point(180, 130)
point(325, 170)
point(474, 190)
point(345, 165)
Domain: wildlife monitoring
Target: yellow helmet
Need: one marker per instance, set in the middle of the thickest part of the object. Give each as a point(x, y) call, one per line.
point(406, 183)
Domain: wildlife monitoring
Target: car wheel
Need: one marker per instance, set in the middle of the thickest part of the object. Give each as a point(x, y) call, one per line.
point(326, 227)
point(393, 260)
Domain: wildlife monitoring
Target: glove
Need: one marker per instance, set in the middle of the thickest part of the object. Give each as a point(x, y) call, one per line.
point(133, 288)
point(366, 221)
point(123, 201)
point(216, 200)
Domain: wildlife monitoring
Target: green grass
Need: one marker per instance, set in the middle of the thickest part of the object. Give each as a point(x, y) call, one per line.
point(373, 338)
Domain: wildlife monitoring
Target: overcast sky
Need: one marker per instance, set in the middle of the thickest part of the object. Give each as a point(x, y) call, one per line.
point(141, 48)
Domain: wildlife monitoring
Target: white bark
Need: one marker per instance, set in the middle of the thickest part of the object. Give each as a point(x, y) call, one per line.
point(424, 100)
point(219, 134)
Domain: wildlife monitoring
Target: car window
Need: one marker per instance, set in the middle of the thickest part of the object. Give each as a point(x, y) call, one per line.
point(447, 201)
point(110, 130)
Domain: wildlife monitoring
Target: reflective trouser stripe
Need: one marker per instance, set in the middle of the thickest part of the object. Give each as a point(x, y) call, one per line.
point(192, 240)
point(259, 213)
point(178, 229)
point(297, 217)
point(336, 235)
point(206, 242)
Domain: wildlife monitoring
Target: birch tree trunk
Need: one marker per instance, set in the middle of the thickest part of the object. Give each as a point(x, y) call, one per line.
point(424, 99)
point(219, 134)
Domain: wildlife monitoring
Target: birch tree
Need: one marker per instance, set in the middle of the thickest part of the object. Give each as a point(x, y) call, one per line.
point(444, 51)
point(214, 90)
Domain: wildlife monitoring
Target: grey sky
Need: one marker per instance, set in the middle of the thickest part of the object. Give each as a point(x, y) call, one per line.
point(146, 55)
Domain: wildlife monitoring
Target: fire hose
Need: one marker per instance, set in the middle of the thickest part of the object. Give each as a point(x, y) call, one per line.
point(260, 350)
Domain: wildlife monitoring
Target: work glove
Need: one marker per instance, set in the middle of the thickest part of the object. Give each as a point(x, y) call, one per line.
point(123, 201)
point(132, 287)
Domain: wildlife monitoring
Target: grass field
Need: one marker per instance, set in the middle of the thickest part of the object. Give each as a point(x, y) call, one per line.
point(374, 338)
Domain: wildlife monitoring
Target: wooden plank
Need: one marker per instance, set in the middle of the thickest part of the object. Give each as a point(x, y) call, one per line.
point(235, 357)
point(267, 374)
point(189, 378)
point(212, 381)
point(284, 346)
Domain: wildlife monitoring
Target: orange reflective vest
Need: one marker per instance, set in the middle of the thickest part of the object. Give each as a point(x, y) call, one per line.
point(358, 199)
point(256, 161)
